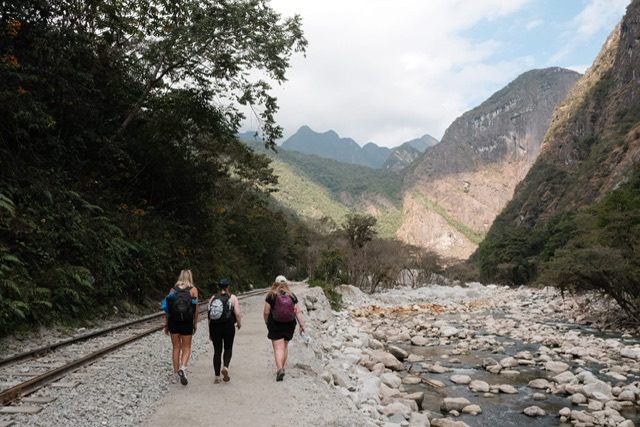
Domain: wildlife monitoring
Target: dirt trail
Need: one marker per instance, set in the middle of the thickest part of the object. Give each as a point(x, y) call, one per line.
point(253, 397)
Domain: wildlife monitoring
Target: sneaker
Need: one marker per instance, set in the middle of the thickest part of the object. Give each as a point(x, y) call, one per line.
point(183, 376)
point(225, 374)
point(280, 374)
point(217, 380)
point(175, 378)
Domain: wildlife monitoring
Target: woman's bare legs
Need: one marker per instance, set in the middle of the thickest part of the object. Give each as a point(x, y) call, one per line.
point(280, 352)
point(185, 343)
point(175, 356)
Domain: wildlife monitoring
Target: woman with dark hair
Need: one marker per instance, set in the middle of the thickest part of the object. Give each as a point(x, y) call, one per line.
point(224, 313)
point(281, 330)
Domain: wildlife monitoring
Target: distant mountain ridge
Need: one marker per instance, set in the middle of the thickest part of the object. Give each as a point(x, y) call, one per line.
point(330, 145)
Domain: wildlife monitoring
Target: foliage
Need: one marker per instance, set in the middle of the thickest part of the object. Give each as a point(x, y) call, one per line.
point(359, 229)
point(117, 150)
point(602, 252)
point(462, 271)
point(334, 297)
point(314, 187)
point(340, 177)
point(592, 249)
point(331, 266)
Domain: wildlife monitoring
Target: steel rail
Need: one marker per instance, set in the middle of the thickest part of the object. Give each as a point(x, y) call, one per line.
point(29, 386)
point(41, 351)
point(33, 384)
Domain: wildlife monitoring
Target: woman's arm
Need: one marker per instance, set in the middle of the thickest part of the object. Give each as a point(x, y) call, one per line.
point(194, 294)
point(266, 311)
point(236, 310)
point(299, 318)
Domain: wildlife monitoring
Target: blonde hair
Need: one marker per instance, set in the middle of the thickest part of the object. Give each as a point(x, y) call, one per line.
point(185, 279)
point(278, 287)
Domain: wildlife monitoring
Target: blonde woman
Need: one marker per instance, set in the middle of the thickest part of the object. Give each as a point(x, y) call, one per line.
point(181, 323)
point(281, 330)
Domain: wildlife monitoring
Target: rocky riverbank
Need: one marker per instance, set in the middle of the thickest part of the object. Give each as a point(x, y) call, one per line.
point(388, 352)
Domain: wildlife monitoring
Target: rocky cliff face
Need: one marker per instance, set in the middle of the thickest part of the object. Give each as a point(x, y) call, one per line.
point(594, 142)
point(457, 187)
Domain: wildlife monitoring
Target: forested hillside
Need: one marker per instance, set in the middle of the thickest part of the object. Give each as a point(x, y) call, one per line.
point(316, 187)
point(574, 220)
point(119, 164)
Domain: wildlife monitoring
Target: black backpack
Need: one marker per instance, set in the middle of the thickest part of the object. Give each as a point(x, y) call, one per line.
point(181, 307)
point(220, 309)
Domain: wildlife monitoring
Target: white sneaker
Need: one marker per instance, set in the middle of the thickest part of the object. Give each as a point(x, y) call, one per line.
point(183, 375)
point(175, 378)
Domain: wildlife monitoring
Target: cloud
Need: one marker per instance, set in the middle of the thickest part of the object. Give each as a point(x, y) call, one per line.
point(389, 71)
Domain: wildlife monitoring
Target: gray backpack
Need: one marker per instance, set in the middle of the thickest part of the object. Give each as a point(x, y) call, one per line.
point(220, 308)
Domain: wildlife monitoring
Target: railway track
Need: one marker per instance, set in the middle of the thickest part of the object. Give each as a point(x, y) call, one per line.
point(23, 373)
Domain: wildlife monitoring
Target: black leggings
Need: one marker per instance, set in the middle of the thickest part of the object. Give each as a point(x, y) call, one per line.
point(222, 337)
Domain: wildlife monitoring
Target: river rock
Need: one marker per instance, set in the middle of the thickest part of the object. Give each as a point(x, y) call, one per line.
point(539, 383)
point(472, 409)
point(399, 353)
point(449, 404)
point(388, 359)
point(630, 353)
point(556, 366)
point(460, 379)
point(534, 411)
point(447, 422)
point(565, 377)
point(479, 386)
point(508, 389)
point(419, 419)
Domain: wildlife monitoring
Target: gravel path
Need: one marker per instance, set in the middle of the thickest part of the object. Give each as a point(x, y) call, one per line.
point(132, 387)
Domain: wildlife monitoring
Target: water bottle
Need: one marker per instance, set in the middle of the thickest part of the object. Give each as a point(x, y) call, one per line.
point(305, 338)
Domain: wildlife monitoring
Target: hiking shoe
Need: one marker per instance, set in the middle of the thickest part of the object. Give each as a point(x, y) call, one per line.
point(217, 380)
point(225, 374)
point(183, 376)
point(175, 378)
point(280, 374)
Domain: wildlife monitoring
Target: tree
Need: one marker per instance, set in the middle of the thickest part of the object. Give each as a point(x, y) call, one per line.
point(117, 147)
point(359, 229)
point(218, 47)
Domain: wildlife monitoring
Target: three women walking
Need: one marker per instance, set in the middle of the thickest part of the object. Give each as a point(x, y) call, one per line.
point(281, 315)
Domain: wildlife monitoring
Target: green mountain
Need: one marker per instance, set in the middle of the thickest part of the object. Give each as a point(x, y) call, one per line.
point(316, 187)
point(330, 145)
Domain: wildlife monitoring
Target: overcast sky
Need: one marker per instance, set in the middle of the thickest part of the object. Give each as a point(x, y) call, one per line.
point(388, 71)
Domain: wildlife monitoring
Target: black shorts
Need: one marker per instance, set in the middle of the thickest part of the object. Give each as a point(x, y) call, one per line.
point(182, 328)
point(280, 330)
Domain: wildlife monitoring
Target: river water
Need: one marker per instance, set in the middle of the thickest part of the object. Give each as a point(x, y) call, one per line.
point(501, 409)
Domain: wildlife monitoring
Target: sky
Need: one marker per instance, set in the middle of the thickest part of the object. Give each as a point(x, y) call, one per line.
point(388, 71)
